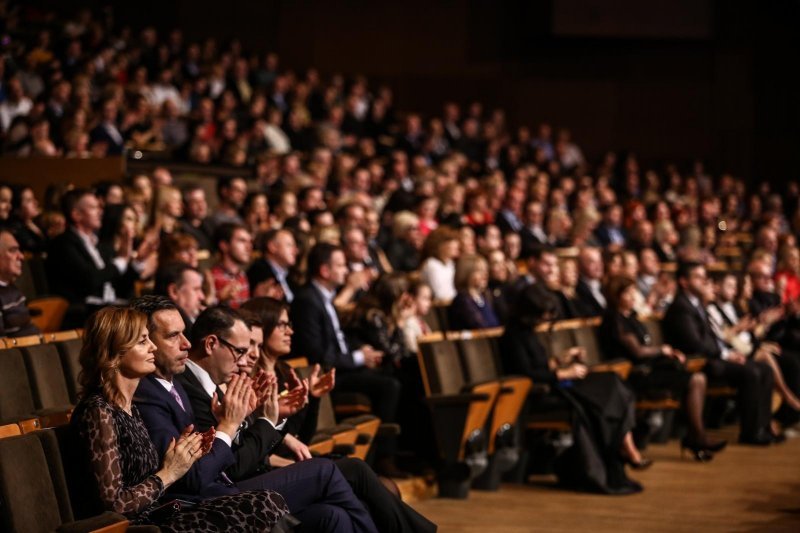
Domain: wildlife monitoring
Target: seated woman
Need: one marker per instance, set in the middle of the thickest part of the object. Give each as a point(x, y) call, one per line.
point(416, 325)
point(602, 406)
point(440, 251)
point(658, 368)
point(472, 308)
point(274, 340)
point(116, 354)
point(570, 304)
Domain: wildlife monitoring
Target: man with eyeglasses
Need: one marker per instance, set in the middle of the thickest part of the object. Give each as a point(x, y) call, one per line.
point(315, 490)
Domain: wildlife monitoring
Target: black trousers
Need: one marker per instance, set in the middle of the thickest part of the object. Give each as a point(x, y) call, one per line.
point(391, 515)
point(383, 390)
point(754, 382)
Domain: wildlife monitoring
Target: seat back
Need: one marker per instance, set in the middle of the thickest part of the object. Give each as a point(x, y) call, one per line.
point(46, 376)
point(70, 351)
point(557, 342)
point(432, 319)
point(480, 359)
point(441, 367)
point(28, 493)
point(653, 326)
point(52, 310)
point(16, 398)
point(586, 337)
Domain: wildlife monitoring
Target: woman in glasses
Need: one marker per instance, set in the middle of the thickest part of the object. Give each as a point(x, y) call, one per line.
point(272, 335)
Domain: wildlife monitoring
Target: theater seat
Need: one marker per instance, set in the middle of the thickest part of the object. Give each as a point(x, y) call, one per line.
point(16, 397)
point(34, 491)
point(47, 377)
point(460, 412)
point(70, 351)
point(479, 352)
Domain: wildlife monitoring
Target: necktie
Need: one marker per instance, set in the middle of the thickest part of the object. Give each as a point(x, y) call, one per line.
point(174, 393)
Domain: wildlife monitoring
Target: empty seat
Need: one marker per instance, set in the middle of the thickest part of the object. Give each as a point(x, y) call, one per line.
point(46, 377)
point(70, 351)
point(33, 487)
point(51, 312)
point(16, 397)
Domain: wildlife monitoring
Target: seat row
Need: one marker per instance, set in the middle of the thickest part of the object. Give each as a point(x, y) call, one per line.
point(39, 378)
point(476, 408)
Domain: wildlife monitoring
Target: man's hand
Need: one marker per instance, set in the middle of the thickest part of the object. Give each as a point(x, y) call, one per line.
point(300, 450)
point(372, 357)
point(270, 408)
point(234, 407)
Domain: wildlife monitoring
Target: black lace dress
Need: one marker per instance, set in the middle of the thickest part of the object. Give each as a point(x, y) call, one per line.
point(124, 462)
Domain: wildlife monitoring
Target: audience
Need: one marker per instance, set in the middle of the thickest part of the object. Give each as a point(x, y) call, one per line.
point(337, 187)
point(130, 472)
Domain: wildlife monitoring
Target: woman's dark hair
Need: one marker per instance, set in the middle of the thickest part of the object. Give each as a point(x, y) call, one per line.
point(16, 198)
point(534, 304)
point(615, 287)
point(268, 311)
point(112, 221)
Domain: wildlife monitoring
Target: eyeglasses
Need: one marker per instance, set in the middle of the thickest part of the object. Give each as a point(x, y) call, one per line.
point(238, 353)
point(284, 325)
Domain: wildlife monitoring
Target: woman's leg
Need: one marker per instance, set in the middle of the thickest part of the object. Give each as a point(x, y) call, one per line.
point(695, 400)
point(780, 384)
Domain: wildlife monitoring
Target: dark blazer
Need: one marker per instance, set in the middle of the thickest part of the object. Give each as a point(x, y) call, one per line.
point(603, 234)
point(255, 443)
point(72, 274)
point(261, 270)
point(687, 330)
point(589, 304)
point(523, 354)
point(528, 241)
point(100, 134)
point(508, 222)
point(165, 420)
point(315, 337)
point(464, 313)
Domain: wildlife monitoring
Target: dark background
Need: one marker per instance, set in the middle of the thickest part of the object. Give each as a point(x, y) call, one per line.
point(671, 80)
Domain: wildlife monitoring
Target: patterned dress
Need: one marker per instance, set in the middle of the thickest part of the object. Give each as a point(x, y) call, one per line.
point(124, 462)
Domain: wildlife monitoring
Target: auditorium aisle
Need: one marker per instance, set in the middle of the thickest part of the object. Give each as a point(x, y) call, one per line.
point(744, 489)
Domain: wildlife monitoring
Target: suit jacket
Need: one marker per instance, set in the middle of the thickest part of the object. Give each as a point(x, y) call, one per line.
point(603, 234)
point(71, 273)
point(255, 442)
point(689, 331)
point(260, 271)
point(589, 304)
point(165, 420)
point(315, 336)
point(508, 222)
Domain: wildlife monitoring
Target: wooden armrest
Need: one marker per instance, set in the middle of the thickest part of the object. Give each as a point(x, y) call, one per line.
point(695, 364)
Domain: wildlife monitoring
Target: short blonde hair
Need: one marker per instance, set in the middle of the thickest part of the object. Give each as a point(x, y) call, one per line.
point(465, 267)
point(404, 221)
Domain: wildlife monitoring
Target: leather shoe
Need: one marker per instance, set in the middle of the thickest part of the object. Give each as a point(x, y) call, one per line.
point(760, 439)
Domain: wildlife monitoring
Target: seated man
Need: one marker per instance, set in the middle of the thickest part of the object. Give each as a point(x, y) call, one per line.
point(314, 490)
point(15, 319)
point(280, 255)
point(183, 285)
point(687, 328)
point(235, 245)
point(319, 336)
point(88, 275)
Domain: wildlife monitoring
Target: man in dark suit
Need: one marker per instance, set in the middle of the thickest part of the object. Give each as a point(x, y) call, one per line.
point(280, 255)
point(610, 232)
point(319, 337)
point(532, 234)
point(314, 490)
point(107, 131)
point(86, 273)
point(183, 285)
point(686, 327)
point(589, 290)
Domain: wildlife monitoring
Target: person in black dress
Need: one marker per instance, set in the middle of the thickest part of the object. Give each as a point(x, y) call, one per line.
point(602, 406)
point(658, 368)
point(130, 477)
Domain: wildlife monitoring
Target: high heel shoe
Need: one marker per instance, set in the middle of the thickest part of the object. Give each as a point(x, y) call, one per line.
point(643, 464)
point(698, 451)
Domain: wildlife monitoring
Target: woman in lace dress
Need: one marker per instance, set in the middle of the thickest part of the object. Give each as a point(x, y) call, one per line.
point(129, 475)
